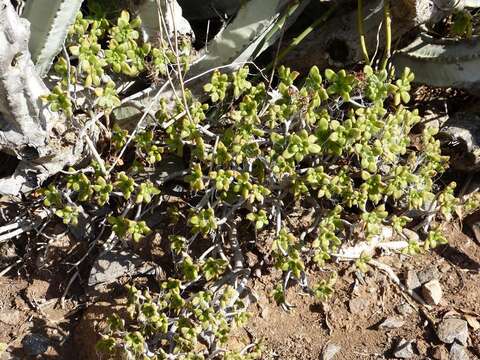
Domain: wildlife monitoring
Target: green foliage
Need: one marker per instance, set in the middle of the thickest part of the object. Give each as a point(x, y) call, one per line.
point(123, 227)
point(145, 193)
point(362, 262)
point(259, 218)
point(435, 238)
point(218, 86)
point(53, 198)
point(325, 288)
point(341, 83)
point(341, 144)
point(59, 100)
point(286, 250)
point(125, 184)
point(68, 214)
point(154, 315)
point(462, 24)
point(203, 221)
point(403, 87)
point(103, 190)
point(80, 183)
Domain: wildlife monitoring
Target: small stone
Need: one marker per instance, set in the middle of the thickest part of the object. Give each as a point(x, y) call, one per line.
point(452, 329)
point(440, 353)
point(458, 352)
point(264, 313)
point(35, 344)
point(357, 305)
point(411, 235)
point(428, 274)
point(411, 280)
point(113, 264)
point(445, 268)
point(422, 347)
point(10, 317)
point(6, 356)
point(330, 351)
point(404, 350)
point(432, 292)
point(473, 322)
point(404, 309)
point(391, 323)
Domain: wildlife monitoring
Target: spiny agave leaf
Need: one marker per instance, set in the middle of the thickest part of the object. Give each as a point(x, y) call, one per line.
point(49, 23)
point(172, 13)
point(442, 62)
point(248, 34)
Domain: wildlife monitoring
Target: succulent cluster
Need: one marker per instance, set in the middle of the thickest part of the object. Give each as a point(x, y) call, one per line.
point(342, 145)
point(101, 56)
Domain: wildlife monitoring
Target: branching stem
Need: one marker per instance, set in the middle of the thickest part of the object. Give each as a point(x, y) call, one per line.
point(388, 33)
point(361, 31)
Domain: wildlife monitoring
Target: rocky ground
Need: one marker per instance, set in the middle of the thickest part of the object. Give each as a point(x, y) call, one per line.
point(368, 317)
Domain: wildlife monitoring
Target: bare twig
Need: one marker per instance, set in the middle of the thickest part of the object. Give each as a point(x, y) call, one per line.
point(391, 274)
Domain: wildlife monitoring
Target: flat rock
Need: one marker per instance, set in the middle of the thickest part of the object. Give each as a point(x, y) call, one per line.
point(357, 305)
point(411, 280)
point(432, 292)
point(10, 317)
point(452, 329)
point(391, 323)
point(458, 352)
point(428, 274)
point(404, 309)
point(35, 344)
point(113, 264)
point(463, 130)
point(404, 349)
point(330, 351)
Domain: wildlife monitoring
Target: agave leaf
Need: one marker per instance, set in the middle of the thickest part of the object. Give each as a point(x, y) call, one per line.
point(172, 13)
point(255, 27)
point(442, 62)
point(49, 23)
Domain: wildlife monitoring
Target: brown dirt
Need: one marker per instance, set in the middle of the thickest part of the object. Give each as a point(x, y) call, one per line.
point(350, 319)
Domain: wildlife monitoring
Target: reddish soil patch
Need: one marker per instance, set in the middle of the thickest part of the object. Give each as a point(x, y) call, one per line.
point(349, 319)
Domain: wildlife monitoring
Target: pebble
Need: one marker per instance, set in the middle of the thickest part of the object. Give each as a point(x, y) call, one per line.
point(428, 274)
point(422, 347)
point(404, 350)
point(458, 352)
point(404, 309)
point(113, 264)
point(473, 322)
point(411, 235)
point(357, 305)
point(452, 329)
point(330, 351)
point(440, 353)
point(432, 292)
point(391, 323)
point(35, 344)
point(411, 280)
point(264, 313)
